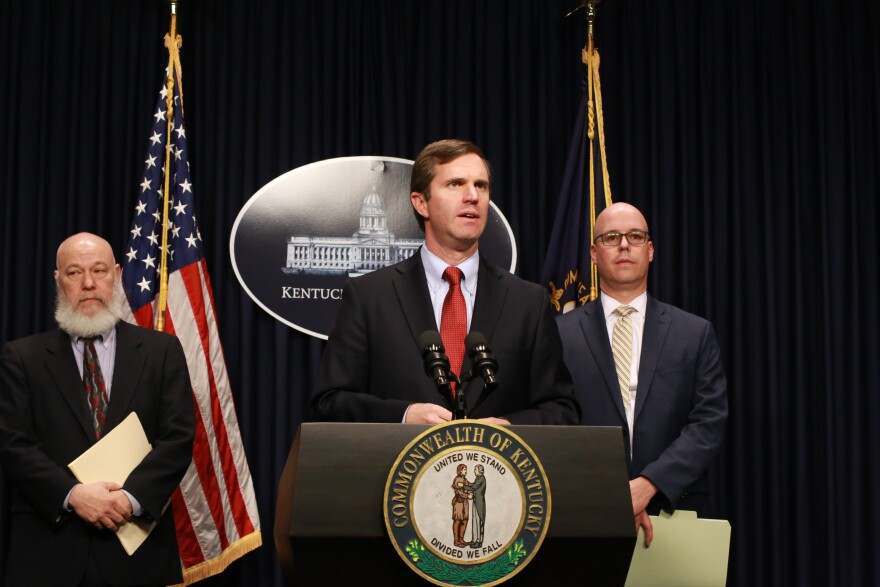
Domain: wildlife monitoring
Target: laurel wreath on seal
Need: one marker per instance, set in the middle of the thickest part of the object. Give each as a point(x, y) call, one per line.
point(474, 575)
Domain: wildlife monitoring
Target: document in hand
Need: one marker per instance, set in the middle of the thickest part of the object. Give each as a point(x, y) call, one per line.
point(686, 551)
point(113, 458)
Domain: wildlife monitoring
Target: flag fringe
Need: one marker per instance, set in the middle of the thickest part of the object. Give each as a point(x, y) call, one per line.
point(217, 565)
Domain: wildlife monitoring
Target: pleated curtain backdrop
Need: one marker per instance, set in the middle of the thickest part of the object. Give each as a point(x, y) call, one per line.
point(746, 131)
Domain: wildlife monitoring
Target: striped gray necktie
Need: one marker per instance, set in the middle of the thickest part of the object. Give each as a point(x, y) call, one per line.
point(622, 349)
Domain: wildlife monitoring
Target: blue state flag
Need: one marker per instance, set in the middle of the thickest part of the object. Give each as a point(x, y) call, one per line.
point(567, 269)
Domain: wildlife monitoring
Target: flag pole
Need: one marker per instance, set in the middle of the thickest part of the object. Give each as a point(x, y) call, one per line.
point(568, 260)
point(595, 121)
point(172, 42)
point(215, 510)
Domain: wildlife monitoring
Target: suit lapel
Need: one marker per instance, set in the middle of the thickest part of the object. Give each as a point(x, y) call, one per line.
point(412, 294)
point(411, 287)
point(126, 374)
point(491, 296)
point(61, 364)
point(654, 336)
point(595, 329)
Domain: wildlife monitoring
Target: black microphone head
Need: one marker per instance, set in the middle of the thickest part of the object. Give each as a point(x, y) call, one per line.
point(429, 339)
point(484, 362)
point(436, 362)
point(473, 341)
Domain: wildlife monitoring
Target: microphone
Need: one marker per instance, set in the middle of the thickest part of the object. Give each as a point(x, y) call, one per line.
point(434, 356)
point(482, 359)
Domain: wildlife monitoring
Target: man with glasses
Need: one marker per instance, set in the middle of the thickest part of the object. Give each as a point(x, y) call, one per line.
point(648, 367)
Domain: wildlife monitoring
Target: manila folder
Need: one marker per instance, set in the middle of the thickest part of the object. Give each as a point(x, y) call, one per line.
point(113, 458)
point(687, 551)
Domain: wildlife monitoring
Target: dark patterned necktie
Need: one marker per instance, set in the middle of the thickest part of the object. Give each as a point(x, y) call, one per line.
point(453, 322)
point(96, 389)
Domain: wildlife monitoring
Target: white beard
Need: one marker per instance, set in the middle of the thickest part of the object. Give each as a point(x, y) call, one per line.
point(72, 321)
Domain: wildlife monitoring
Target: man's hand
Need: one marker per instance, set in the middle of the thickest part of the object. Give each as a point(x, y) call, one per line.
point(427, 414)
point(101, 504)
point(496, 421)
point(123, 504)
point(642, 490)
point(644, 520)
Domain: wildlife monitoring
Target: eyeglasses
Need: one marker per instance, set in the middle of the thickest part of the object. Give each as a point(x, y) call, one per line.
point(635, 238)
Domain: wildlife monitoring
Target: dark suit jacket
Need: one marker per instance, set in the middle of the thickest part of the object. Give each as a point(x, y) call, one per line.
point(372, 366)
point(681, 402)
point(45, 423)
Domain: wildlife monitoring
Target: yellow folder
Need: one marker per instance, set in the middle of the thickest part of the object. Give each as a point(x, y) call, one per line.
point(113, 458)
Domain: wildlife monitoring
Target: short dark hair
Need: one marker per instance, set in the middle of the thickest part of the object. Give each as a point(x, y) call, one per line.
point(438, 153)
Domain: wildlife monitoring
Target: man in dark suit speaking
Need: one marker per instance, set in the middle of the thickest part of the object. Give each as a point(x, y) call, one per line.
point(372, 369)
point(60, 392)
point(648, 367)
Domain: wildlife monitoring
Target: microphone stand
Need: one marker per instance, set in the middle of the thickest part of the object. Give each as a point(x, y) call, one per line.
point(459, 408)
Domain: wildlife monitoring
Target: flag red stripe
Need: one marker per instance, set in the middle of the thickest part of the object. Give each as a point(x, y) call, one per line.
point(208, 478)
point(202, 458)
point(144, 316)
point(192, 280)
point(240, 514)
point(187, 543)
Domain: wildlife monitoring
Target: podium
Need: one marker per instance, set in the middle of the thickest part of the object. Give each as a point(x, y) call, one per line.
point(330, 529)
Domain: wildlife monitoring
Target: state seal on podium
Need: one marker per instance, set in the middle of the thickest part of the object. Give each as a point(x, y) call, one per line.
point(467, 503)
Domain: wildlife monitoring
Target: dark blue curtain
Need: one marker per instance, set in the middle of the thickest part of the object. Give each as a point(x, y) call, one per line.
point(746, 131)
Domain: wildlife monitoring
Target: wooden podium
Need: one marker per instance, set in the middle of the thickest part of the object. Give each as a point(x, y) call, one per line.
point(330, 530)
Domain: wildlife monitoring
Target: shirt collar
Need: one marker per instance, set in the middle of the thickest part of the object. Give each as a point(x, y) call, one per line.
point(609, 304)
point(105, 339)
point(435, 266)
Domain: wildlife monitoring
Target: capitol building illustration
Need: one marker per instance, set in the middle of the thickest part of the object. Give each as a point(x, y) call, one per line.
point(371, 247)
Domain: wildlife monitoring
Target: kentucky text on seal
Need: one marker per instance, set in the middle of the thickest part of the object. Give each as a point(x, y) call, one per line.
point(417, 456)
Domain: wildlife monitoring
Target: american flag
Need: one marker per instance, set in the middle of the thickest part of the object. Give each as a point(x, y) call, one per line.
point(215, 508)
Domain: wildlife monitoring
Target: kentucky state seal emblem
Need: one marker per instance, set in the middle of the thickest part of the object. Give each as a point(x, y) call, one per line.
point(467, 503)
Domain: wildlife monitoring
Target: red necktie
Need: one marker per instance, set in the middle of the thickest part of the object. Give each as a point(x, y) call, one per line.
point(453, 321)
point(96, 389)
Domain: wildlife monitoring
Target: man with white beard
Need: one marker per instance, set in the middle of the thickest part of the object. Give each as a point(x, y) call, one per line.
point(60, 392)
